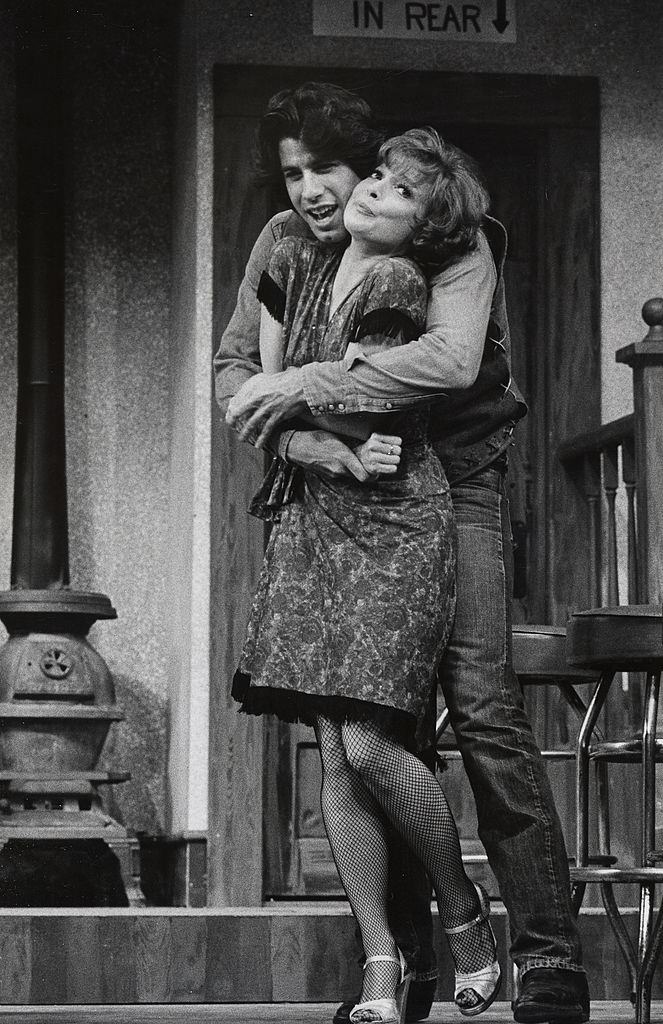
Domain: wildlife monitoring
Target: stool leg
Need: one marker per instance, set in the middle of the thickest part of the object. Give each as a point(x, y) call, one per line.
point(582, 767)
point(643, 994)
point(603, 801)
point(641, 1001)
point(647, 843)
point(573, 699)
point(577, 896)
point(624, 940)
point(652, 692)
point(442, 725)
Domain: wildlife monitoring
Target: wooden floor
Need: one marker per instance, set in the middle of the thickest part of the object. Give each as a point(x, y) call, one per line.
point(257, 1013)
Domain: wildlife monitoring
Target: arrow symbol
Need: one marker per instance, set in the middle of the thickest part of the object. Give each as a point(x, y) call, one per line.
point(500, 21)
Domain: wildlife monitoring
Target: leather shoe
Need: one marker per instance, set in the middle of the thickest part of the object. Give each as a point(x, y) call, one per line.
point(551, 995)
point(418, 1006)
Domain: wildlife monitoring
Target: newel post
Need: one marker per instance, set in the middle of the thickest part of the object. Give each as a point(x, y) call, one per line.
point(646, 360)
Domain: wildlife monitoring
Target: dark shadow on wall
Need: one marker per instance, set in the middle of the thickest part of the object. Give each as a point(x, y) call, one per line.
point(138, 745)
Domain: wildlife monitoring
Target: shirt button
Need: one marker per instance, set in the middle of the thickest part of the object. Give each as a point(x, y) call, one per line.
point(388, 405)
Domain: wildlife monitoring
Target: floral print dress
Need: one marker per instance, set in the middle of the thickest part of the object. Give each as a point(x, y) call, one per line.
point(355, 600)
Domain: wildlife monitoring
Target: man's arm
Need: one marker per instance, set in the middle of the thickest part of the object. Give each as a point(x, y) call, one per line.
point(447, 357)
point(237, 358)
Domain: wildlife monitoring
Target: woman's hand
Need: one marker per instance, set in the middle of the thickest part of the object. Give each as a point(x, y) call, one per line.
point(380, 454)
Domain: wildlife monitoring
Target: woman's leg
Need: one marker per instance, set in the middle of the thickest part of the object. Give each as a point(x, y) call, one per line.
point(357, 835)
point(413, 801)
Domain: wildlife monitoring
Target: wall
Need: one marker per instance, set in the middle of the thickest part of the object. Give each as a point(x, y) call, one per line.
point(117, 363)
point(7, 296)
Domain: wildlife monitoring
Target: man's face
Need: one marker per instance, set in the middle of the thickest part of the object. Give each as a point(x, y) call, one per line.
point(318, 190)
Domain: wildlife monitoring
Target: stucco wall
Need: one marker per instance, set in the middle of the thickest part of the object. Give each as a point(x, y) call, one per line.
point(117, 363)
point(7, 297)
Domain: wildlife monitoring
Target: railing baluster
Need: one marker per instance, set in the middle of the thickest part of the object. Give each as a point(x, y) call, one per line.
point(629, 478)
point(610, 483)
point(592, 488)
point(590, 457)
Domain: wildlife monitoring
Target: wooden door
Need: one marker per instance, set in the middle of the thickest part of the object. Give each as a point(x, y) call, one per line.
point(535, 141)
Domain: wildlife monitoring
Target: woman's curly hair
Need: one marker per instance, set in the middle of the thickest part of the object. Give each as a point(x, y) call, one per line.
point(457, 201)
point(331, 122)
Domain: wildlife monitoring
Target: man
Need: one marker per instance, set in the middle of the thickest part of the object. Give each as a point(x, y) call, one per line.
point(462, 363)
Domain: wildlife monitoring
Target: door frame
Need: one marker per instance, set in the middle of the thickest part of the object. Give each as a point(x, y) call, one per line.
point(565, 111)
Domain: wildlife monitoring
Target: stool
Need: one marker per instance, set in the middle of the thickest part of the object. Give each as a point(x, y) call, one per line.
point(611, 640)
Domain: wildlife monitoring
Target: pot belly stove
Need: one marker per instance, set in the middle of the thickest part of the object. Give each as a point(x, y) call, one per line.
point(57, 705)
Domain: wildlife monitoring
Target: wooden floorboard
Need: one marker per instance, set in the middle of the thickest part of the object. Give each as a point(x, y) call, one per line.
point(608, 1012)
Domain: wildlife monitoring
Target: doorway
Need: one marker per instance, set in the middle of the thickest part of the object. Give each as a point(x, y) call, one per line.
point(536, 142)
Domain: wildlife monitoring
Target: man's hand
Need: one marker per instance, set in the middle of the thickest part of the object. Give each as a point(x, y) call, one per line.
point(264, 401)
point(325, 454)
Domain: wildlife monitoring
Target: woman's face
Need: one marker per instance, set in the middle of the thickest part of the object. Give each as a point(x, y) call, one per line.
point(383, 209)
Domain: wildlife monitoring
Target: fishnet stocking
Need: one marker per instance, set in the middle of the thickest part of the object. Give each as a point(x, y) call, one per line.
point(367, 775)
point(357, 835)
point(414, 803)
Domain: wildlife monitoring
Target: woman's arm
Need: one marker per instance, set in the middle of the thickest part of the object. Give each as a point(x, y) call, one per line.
point(358, 426)
point(271, 342)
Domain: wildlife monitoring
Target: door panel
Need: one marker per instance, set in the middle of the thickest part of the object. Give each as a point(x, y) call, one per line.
point(535, 140)
point(236, 742)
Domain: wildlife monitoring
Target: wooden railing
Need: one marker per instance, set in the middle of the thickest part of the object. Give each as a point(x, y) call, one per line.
point(595, 459)
point(627, 452)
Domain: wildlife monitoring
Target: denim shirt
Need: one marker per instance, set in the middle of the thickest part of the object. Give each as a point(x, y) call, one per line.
point(460, 365)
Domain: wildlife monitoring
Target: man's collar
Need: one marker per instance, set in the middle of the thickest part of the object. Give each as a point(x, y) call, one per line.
point(294, 225)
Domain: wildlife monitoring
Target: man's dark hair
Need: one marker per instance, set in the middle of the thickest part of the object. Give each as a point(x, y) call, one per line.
point(331, 122)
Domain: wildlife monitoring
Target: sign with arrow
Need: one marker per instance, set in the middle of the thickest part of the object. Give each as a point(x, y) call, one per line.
point(484, 21)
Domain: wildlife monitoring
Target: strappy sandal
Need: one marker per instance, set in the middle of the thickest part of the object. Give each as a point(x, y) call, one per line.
point(384, 1011)
point(485, 983)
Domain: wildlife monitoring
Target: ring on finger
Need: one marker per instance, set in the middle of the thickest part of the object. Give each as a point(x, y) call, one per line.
point(391, 450)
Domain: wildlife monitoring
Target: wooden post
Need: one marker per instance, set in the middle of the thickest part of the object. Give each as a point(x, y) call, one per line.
point(646, 360)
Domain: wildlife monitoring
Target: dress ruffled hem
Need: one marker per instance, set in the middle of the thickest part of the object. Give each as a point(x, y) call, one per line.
point(296, 706)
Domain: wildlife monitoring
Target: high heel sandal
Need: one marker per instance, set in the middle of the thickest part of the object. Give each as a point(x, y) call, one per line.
point(385, 1011)
point(484, 983)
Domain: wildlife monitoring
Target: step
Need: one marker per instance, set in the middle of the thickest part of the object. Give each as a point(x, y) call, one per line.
point(297, 952)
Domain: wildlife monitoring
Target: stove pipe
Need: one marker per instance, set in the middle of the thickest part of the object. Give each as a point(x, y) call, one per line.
point(40, 597)
point(40, 555)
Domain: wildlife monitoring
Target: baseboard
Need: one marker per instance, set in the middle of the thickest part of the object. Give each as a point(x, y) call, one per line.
point(279, 953)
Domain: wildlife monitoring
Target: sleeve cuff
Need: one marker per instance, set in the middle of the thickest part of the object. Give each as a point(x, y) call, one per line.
point(323, 383)
point(284, 443)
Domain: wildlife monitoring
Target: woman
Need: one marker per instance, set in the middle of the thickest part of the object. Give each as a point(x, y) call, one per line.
point(355, 601)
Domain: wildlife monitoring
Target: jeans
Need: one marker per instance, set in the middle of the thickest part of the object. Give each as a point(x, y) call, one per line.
point(518, 824)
